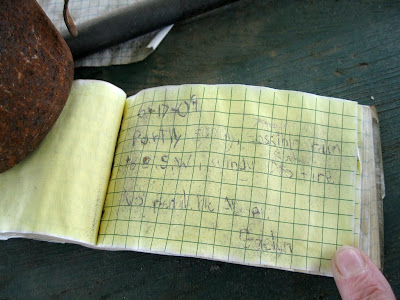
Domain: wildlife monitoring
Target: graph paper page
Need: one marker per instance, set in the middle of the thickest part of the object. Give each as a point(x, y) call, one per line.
point(82, 11)
point(235, 173)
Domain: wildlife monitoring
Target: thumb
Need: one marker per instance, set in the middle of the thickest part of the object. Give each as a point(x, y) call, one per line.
point(357, 277)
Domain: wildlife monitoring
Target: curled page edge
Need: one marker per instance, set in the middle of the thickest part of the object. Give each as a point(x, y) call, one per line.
point(377, 228)
point(372, 188)
point(159, 37)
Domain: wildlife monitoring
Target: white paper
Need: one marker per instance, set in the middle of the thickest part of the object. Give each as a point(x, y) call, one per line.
point(83, 10)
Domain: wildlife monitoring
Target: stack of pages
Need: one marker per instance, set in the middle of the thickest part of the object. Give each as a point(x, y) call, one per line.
point(242, 174)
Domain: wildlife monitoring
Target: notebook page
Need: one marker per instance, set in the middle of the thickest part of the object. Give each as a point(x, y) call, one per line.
point(235, 173)
point(83, 11)
point(57, 192)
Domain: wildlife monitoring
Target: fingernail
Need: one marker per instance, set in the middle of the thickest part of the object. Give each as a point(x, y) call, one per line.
point(349, 261)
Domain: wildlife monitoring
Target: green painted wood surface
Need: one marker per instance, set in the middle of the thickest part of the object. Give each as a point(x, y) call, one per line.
point(334, 48)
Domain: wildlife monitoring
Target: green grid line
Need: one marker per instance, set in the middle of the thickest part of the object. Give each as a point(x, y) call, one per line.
point(222, 176)
point(148, 183)
point(211, 196)
point(251, 143)
point(134, 187)
point(323, 201)
point(295, 187)
point(203, 180)
point(233, 247)
point(191, 178)
point(233, 212)
point(267, 189)
point(280, 194)
point(235, 100)
point(202, 243)
point(340, 165)
point(250, 128)
point(252, 178)
point(237, 174)
point(113, 196)
point(236, 183)
point(130, 211)
point(205, 184)
point(229, 214)
point(309, 202)
point(163, 182)
point(228, 230)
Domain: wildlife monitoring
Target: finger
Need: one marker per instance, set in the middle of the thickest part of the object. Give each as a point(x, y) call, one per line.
point(357, 277)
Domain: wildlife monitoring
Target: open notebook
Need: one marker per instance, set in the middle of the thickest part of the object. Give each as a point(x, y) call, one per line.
point(235, 173)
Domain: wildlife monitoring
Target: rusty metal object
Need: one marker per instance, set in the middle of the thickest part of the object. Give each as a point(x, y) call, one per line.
point(36, 73)
point(68, 20)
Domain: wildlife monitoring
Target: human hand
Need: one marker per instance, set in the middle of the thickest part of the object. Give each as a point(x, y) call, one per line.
point(357, 277)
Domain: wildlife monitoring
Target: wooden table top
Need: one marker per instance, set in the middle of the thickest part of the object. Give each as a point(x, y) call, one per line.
point(332, 48)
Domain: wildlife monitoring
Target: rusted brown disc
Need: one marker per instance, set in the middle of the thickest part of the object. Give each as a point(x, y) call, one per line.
point(36, 73)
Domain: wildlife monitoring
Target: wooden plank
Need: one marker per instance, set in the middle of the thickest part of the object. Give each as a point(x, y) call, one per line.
point(333, 48)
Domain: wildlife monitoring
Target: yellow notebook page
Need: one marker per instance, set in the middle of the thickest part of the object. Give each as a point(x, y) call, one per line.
point(59, 189)
point(234, 173)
